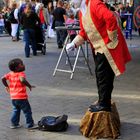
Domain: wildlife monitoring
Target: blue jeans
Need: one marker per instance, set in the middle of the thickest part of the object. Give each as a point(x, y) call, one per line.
point(29, 38)
point(60, 34)
point(23, 105)
point(1, 29)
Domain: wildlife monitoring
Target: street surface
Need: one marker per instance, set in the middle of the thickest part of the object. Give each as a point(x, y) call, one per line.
point(59, 95)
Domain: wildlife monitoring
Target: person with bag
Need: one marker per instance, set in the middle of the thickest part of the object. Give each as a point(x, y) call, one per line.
point(108, 45)
point(51, 27)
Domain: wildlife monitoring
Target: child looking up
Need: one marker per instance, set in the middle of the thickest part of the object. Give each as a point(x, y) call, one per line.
point(15, 83)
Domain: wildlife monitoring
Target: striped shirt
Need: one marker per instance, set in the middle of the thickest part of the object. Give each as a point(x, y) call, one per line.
point(17, 89)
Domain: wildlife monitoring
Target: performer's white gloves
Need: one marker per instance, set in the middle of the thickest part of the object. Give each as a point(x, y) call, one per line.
point(70, 47)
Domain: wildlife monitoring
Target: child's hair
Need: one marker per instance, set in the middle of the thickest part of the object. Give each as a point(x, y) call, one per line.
point(14, 63)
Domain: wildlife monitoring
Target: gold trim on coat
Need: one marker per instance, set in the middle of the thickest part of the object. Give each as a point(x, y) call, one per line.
point(97, 41)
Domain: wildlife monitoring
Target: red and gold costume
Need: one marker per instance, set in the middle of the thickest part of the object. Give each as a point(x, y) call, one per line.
point(99, 26)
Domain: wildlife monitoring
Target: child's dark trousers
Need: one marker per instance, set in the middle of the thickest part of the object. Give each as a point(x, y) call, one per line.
point(23, 105)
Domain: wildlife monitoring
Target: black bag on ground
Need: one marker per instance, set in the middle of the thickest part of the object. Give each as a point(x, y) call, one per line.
point(51, 123)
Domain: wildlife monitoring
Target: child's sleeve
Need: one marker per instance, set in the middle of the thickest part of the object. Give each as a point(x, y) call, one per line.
point(6, 76)
point(22, 74)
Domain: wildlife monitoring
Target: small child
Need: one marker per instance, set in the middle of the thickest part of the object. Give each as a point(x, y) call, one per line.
point(15, 83)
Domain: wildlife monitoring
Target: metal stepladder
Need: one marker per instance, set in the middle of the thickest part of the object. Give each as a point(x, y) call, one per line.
point(80, 49)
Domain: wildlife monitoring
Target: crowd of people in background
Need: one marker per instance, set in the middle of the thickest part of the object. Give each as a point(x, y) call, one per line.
point(51, 14)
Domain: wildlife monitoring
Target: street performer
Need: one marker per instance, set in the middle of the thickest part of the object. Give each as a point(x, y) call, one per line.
point(98, 26)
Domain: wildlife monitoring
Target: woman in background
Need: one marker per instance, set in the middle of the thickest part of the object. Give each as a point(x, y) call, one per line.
point(29, 19)
point(14, 21)
point(50, 30)
point(44, 16)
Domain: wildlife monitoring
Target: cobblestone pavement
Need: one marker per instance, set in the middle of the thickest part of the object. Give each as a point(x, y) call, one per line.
point(59, 95)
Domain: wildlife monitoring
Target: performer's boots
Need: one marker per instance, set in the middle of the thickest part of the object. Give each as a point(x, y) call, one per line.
point(99, 107)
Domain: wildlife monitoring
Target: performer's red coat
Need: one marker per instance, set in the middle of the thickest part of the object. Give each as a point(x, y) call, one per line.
point(99, 26)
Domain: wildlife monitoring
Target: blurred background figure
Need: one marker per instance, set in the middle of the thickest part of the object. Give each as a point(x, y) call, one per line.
point(14, 20)
point(44, 16)
point(6, 11)
point(71, 21)
point(29, 19)
point(60, 17)
point(128, 8)
point(51, 32)
point(121, 11)
point(1, 24)
point(23, 6)
point(37, 5)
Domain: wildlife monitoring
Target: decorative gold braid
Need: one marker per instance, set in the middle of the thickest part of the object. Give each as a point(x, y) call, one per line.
point(97, 41)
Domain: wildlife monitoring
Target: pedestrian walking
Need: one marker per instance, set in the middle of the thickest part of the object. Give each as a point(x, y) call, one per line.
point(15, 83)
point(29, 20)
point(43, 14)
point(50, 30)
point(13, 17)
point(60, 18)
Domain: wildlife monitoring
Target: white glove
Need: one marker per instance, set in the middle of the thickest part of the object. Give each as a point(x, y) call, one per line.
point(70, 47)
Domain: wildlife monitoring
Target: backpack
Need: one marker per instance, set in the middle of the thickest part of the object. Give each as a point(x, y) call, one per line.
point(55, 124)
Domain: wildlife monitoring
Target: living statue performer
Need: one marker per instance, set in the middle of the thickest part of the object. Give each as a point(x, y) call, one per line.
point(99, 26)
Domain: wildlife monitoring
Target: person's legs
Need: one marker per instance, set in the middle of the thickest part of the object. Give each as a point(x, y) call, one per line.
point(59, 34)
point(1, 30)
point(26, 108)
point(33, 41)
point(139, 31)
point(18, 32)
point(8, 27)
point(27, 42)
point(105, 79)
point(14, 31)
point(16, 113)
point(63, 36)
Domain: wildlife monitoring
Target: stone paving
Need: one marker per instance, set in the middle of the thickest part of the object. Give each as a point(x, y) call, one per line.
point(59, 95)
